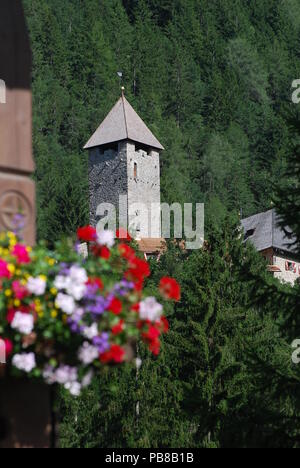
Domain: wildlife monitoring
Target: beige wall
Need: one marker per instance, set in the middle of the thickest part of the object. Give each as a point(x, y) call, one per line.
point(286, 276)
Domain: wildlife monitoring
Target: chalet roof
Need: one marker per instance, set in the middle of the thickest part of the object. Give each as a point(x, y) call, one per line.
point(264, 232)
point(123, 123)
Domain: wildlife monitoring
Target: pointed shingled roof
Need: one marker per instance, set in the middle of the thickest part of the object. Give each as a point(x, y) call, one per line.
point(123, 123)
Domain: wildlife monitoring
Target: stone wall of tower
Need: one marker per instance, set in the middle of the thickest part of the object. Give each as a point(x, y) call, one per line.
point(107, 177)
point(144, 187)
point(112, 174)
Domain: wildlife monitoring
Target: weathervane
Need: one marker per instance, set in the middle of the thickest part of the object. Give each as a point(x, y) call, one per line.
point(120, 75)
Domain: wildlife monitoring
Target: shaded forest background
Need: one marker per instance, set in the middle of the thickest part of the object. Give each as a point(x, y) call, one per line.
point(212, 79)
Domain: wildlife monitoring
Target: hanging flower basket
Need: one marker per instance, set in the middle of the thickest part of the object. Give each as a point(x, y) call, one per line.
point(63, 317)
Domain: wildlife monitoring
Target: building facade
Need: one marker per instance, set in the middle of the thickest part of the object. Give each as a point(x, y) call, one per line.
point(275, 245)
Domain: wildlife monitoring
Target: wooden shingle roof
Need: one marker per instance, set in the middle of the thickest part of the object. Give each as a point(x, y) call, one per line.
point(264, 232)
point(123, 123)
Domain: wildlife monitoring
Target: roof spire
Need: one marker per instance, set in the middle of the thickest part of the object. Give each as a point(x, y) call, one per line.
point(123, 123)
point(123, 91)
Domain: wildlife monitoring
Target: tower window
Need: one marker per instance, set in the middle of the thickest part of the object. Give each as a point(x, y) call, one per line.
point(135, 171)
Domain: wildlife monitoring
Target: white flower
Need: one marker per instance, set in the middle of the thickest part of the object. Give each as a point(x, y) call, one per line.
point(88, 353)
point(150, 309)
point(106, 238)
point(76, 290)
point(66, 375)
point(87, 380)
point(78, 275)
point(49, 375)
point(65, 303)
point(74, 388)
point(24, 362)
point(91, 332)
point(36, 286)
point(62, 282)
point(23, 323)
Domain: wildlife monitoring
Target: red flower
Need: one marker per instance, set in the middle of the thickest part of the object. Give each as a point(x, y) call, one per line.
point(8, 346)
point(123, 235)
point(115, 354)
point(152, 334)
point(101, 252)
point(138, 271)
point(87, 234)
point(164, 324)
point(126, 251)
point(154, 347)
point(170, 289)
point(152, 338)
point(95, 282)
point(10, 315)
point(4, 271)
point(21, 254)
point(115, 306)
point(118, 329)
point(136, 308)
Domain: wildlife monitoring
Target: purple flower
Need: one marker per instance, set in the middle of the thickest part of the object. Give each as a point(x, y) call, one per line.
point(102, 342)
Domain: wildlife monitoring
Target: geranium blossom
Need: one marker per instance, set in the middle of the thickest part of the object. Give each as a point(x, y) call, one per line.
point(91, 332)
point(23, 323)
point(4, 271)
point(19, 290)
point(88, 353)
point(170, 289)
point(106, 238)
point(87, 234)
point(150, 309)
point(21, 253)
point(65, 303)
point(24, 362)
point(36, 286)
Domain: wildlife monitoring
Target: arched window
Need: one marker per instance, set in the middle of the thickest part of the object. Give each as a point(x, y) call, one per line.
point(135, 171)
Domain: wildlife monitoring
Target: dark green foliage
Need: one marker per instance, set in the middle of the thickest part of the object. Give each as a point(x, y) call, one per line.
point(213, 81)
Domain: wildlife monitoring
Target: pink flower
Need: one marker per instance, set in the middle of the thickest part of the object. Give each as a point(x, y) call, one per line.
point(8, 346)
point(21, 254)
point(4, 271)
point(20, 291)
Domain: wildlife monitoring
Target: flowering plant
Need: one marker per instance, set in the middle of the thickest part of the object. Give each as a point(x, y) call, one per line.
point(62, 316)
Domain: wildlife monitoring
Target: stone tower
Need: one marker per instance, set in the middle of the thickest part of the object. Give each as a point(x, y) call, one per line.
point(124, 161)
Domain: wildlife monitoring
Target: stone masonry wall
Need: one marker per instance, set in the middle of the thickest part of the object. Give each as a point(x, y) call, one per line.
point(145, 188)
point(107, 178)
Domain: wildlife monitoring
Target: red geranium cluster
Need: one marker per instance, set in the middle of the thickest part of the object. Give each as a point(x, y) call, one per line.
point(170, 289)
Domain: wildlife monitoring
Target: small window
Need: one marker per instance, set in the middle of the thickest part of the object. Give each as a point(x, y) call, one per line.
point(249, 233)
point(290, 266)
point(135, 171)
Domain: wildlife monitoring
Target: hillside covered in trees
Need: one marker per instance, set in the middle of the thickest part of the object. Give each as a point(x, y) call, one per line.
point(211, 79)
